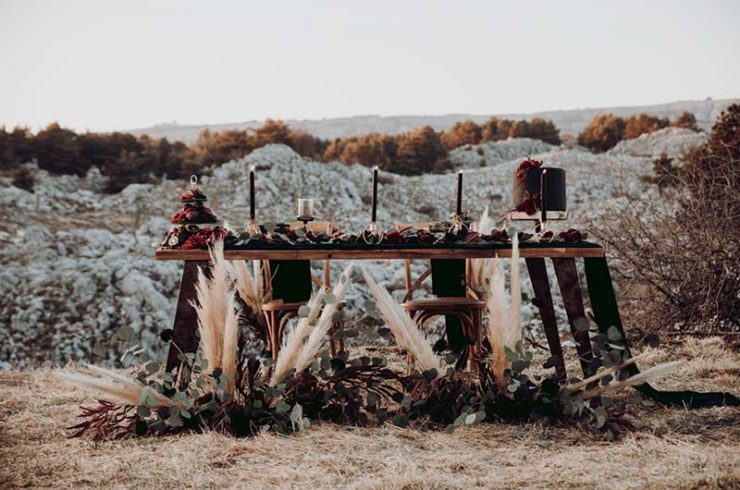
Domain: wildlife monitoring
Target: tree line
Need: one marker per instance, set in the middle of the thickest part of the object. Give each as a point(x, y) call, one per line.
point(606, 130)
point(126, 159)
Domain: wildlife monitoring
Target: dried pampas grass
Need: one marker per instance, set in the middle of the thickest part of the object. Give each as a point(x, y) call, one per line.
point(113, 384)
point(320, 333)
point(403, 327)
point(481, 269)
point(302, 345)
point(293, 341)
point(249, 284)
point(638, 379)
point(504, 320)
point(218, 321)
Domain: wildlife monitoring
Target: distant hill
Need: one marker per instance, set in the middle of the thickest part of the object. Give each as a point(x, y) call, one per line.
point(569, 121)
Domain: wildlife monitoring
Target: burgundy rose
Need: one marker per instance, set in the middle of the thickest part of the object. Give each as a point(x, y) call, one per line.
point(522, 168)
point(528, 205)
point(193, 195)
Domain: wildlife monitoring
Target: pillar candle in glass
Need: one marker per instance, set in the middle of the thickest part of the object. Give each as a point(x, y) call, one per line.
point(251, 193)
point(305, 208)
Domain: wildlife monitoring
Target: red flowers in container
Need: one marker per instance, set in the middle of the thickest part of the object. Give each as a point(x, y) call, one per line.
point(522, 168)
point(204, 238)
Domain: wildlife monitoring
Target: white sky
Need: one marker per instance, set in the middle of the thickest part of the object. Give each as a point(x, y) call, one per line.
point(107, 65)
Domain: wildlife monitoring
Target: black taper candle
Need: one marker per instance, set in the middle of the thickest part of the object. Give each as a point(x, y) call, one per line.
point(375, 195)
point(251, 193)
point(543, 195)
point(459, 192)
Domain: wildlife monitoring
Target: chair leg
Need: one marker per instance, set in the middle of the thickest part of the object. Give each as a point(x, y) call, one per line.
point(336, 341)
point(271, 331)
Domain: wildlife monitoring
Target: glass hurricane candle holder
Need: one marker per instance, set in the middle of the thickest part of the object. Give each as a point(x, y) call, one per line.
point(305, 211)
point(372, 234)
point(305, 208)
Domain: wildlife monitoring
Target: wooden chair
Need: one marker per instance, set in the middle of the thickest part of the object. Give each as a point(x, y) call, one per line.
point(278, 312)
point(467, 310)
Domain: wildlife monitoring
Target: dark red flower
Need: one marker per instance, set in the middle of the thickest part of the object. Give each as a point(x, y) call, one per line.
point(522, 168)
point(193, 195)
point(393, 237)
point(572, 235)
point(529, 205)
point(194, 214)
point(204, 238)
point(498, 236)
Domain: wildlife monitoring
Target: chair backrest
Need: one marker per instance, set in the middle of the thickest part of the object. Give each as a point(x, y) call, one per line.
point(449, 278)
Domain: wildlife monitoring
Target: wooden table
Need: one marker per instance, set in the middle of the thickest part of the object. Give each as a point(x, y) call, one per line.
point(563, 256)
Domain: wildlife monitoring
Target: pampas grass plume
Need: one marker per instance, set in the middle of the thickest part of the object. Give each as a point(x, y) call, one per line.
point(403, 327)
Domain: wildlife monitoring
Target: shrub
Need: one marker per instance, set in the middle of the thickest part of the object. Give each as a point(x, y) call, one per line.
point(223, 146)
point(273, 131)
point(15, 146)
point(635, 126)
point(462, 133)
point(495, 129)
point(685, 120)
point(56, 150)
point(664, 173)
point(679, 258)
point(420, 151)
point(500, 129)
point(370, 150)
point(537, 128)
point(602, 133)
point(23, 179)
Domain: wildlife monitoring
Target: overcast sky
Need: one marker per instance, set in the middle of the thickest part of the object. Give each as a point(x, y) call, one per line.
point(106, 65)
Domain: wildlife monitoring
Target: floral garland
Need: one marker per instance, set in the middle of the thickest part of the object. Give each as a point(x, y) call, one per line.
point(187, 238)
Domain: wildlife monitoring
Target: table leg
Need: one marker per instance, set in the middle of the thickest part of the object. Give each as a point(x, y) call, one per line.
point(606, 314)
point(185, 328)
point(541, 285)
point(567, 274)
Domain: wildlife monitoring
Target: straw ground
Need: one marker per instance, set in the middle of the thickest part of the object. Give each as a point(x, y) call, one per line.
point(667, 448)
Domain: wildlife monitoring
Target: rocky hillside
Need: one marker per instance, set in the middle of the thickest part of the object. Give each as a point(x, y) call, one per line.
point(77, 264)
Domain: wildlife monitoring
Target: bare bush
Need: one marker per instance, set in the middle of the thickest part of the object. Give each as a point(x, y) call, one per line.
point(680, 257)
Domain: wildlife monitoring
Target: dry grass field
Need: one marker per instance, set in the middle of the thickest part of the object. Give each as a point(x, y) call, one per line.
point(666, 448)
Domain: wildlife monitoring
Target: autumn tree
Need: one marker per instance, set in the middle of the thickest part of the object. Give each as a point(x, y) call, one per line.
point(602, 133)
point(686, 120)
point(57, 151)
point(223, 146)
point(493, 130)
point(539, 129)
point(462, 133)
point(419, 152)
point(273, 131)
point(16, 146)
point(635, 126)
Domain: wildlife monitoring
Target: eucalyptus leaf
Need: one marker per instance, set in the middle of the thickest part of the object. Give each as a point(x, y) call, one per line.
point(125, 333)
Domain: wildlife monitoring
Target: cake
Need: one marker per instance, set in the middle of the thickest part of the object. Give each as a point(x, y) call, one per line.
point(526, 194)
point(196, 225)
